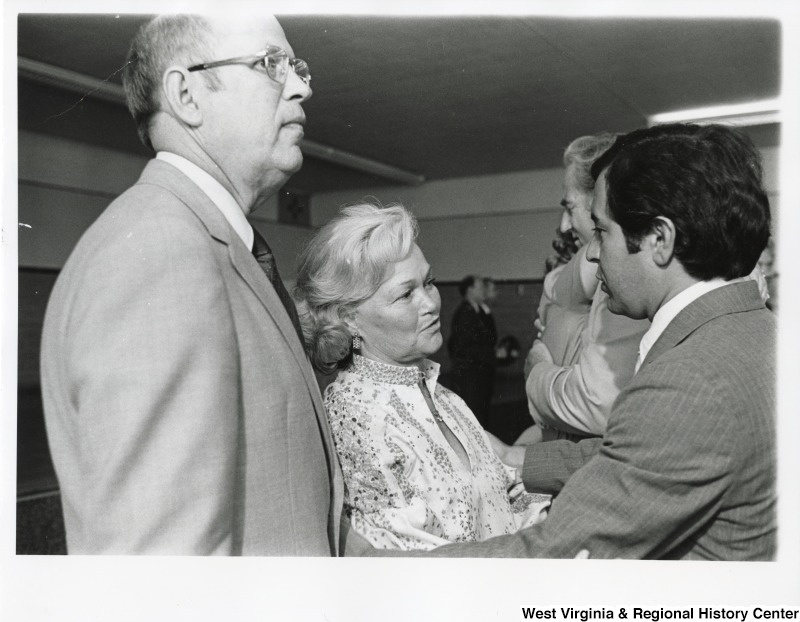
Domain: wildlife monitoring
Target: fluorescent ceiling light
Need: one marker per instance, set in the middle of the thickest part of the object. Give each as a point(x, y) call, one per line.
point(753, 113)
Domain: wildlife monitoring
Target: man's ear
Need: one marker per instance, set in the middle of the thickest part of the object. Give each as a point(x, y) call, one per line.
point(178, 89)
point(662, 240)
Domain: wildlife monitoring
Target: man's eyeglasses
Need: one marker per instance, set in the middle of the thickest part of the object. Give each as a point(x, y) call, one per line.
point(274, 59)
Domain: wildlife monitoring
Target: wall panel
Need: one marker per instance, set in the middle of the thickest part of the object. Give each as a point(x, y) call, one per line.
point(505, 246)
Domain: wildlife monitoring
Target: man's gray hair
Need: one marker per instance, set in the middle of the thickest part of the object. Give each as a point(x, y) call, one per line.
point(164, 40)
point(582, 152)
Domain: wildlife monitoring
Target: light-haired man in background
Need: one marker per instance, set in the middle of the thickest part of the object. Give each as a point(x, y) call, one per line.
point(575, 371)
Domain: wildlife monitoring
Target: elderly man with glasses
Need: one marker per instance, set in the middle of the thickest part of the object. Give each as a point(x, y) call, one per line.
point(182, 414)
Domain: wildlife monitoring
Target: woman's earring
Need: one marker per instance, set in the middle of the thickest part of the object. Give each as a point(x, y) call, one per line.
point(356, 342)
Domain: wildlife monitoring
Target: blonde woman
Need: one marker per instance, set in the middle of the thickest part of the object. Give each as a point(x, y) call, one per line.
point(419, 469)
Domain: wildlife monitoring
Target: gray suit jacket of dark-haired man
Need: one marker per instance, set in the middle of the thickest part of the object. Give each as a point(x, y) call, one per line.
point(686, 469)
point(182, 414)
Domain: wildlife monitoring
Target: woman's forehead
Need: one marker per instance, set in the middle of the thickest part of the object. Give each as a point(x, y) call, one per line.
point(411, 267)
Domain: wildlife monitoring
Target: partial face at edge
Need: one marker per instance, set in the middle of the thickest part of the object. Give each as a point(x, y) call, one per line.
point(577, 208)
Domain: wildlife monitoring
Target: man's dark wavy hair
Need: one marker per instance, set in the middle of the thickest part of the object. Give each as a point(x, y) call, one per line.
point(706, 180)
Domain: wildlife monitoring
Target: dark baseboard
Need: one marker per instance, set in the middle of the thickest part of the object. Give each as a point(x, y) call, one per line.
point(40, 525)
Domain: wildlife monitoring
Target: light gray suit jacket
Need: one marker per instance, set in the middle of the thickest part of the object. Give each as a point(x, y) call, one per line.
point(182, 414)
point(686, 468)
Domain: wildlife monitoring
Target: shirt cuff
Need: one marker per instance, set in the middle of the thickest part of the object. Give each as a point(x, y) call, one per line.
point(537, 469)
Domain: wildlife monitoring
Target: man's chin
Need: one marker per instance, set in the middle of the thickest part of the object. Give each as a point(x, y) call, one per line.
point(293, 163)
point(618, 309)
point(615, 308)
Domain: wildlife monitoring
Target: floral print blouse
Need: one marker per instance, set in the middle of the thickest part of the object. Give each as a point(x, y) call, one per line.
point(406, 488)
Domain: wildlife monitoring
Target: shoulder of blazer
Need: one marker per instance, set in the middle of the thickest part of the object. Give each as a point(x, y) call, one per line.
point(166, 177)
point(721, 302)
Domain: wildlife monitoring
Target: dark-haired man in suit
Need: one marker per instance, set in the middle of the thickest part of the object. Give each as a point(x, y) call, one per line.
point(473, 336)
point(182, 414)
point(686, 468)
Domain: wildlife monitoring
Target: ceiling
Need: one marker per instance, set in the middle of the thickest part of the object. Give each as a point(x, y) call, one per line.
point(443, 97)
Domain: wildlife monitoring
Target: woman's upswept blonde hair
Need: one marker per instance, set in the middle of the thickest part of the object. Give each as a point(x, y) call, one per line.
point(340, 267)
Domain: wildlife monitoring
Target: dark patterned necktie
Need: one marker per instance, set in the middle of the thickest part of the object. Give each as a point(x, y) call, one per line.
point(263, 254)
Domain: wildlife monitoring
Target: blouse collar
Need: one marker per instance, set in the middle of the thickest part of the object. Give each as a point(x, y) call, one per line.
point(394, 374)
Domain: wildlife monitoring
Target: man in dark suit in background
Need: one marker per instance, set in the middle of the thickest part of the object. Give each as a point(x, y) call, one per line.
point(686, 468)
point(182, 414)
point(471, 344)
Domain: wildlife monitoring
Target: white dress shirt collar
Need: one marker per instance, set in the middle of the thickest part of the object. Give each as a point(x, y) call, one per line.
point(216, 192)
point(670, 310)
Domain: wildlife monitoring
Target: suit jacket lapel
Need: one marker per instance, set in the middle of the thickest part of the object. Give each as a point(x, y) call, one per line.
point(246, 265)
point(243, 261)
point(724, 300)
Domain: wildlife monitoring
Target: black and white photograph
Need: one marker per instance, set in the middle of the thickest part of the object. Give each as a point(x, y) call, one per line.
point(417, 311)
